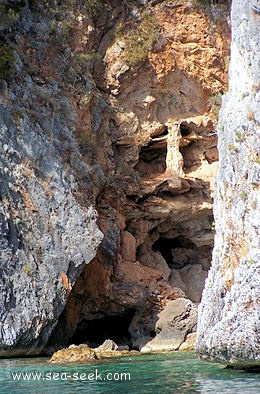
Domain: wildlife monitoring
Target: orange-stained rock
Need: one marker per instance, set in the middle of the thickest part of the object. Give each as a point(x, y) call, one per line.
point(73, 353)
point(136, 272)
point(83, 353)
point(156, 261)
point(128, 246)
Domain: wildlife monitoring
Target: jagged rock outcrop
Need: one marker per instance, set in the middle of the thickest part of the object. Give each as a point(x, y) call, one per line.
point(46, 234)
point(83, 353)
point(176, 321)
point(113, 105)
point(228, 328)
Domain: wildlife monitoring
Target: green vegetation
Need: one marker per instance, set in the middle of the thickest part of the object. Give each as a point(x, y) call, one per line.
point(28, 269)
point(250, 115)
point(232, 148)
point(87, 140)
point(215, 103)
point(83, 59)
point(67, 30)
point(140, 41)
point(93, 7)
point(243, 195)
point(9, 13)
point(17, 115)
point(5, 201)
point(240, 136)
point(6, 61)
point(257, 160)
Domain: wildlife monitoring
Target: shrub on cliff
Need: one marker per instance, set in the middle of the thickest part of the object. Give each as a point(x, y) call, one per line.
point(140, 42)
point(6, 61)
point(9, 13)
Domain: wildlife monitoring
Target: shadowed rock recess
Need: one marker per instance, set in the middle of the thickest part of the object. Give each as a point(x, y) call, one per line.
point(228, 329)
point(108, 113)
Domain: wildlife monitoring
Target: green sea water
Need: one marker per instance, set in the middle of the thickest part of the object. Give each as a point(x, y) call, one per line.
point(165, 373)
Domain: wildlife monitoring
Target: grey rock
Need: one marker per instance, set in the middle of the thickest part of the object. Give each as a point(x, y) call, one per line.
point(193, 277)
point(107, 345)
point(228, 326)
point(46, 235)
point(177, 319)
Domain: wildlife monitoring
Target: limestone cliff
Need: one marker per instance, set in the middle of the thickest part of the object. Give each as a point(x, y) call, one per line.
point(228, 329)
point(46, 234)
point(107, 107)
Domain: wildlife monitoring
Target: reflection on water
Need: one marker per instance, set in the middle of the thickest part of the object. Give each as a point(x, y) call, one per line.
point(165, 373)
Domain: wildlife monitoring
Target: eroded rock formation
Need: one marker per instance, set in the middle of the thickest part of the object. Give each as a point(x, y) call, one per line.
point(228, 329)
point(93, 116)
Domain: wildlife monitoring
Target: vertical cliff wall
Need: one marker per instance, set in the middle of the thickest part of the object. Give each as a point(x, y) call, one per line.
point(228, 329)
point(110, 104)
point(161, 68)
point(47, 234)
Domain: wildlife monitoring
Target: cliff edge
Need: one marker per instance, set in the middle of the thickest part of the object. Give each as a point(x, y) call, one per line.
point(228, 327)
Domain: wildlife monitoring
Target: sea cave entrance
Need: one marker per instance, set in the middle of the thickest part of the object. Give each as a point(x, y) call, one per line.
point(95, 332)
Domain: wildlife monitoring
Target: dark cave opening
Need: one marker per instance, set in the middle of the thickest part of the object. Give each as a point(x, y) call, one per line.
point(162, 133)
point(184, 248)
point(152, 157)
point(95, 332)
point(185, 130)
point(150, 153)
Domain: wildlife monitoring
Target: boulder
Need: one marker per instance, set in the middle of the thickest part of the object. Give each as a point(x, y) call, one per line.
point(128, 246)
point(74, 353)
point(83, 353)
point(177, 319)
point(193, 278)
point(175, 280)
point(156, 261)
point(136, 272)
point(189, 344)
point(141, 342)
point(108, 345)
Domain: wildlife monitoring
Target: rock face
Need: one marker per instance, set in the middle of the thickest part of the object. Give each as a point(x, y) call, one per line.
point(178, 319)
point(46, 234)
point(228, 328)
point(107, 107)
point(83, 353)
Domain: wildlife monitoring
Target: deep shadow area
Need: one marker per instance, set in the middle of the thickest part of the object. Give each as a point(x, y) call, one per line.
point(95, 332)
point(185, 130)
point(152, 157)
point(165, 246)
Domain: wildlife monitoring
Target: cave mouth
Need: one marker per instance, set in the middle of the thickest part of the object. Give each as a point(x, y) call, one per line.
point(185, 129)
point(152, 157)
point(181, 244)
point(95, 332)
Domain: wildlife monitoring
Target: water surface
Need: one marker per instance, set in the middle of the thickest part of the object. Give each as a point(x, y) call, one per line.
point(165, 373)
